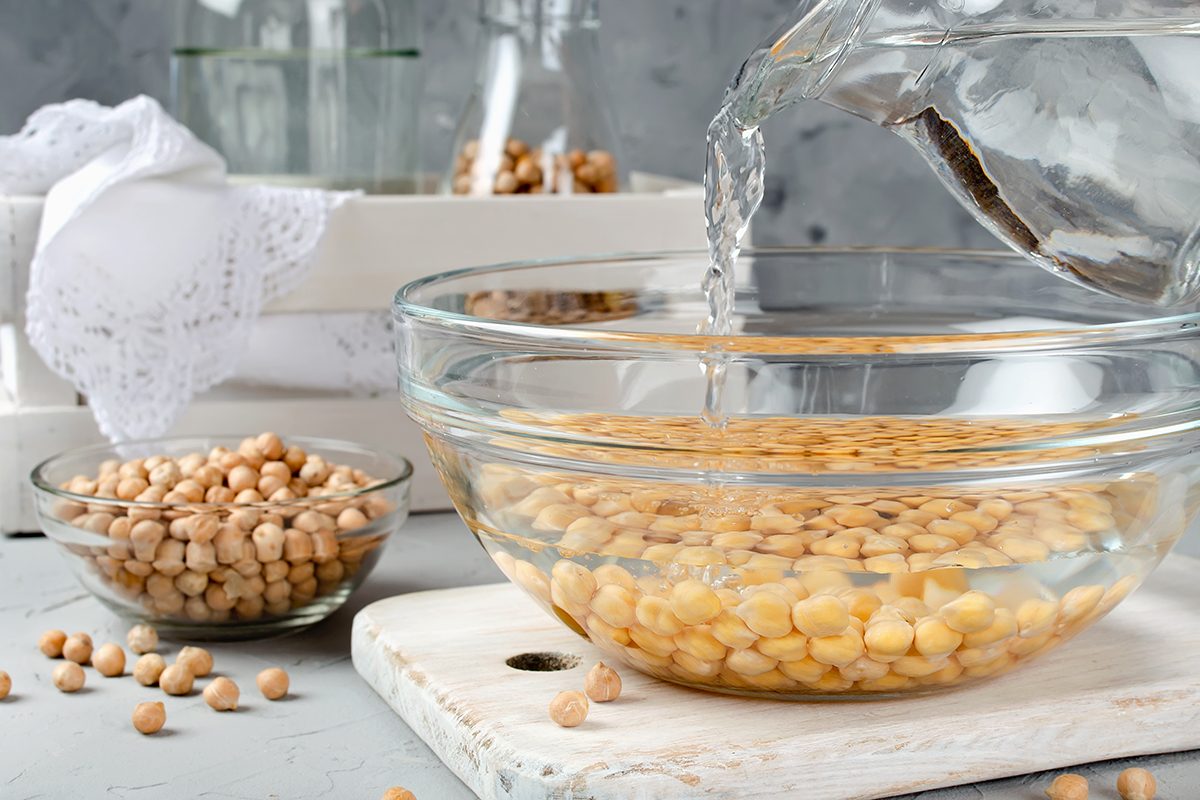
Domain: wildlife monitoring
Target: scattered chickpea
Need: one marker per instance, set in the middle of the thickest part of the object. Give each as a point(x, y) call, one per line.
point(109, 660)
point(196, 660)
point(1068, 787)
point(602, 684)
point(1136, 783)
point(569, 709)
point(51, 643)
point(222, 695)
point(5, 684)
point(398, 793)
point(149, 717)
point(68, 677)
point(273, 682)
point(148, 669)
point(176, 680)
point(78, 648)
point(142, 639)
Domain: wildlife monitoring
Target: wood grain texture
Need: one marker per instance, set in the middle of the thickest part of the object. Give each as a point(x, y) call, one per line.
point(1129, 686)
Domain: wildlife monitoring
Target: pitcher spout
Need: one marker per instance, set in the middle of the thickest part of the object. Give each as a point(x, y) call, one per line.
point(799, 58)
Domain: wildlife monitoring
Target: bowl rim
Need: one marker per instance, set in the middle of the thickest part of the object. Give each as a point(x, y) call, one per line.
point(567, 336)
point(38, 480)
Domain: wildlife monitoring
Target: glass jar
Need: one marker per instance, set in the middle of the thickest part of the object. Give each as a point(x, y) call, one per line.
point(307, 92)
point(540, 118)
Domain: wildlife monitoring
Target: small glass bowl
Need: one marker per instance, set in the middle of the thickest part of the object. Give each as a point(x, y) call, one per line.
point(251, 591)
point(934, 466)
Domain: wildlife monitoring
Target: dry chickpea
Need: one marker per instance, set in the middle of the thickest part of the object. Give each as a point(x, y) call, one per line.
point(68, 677)
point(51, 643)
point(1136, 783)
point(148, 668)
point(176, 680)
point(109, 660)
point(5, 684)
point(602, 684)
point(78, 648)
point(273, 682)
point(142, 639)
point(197, 661)
point(1068, 787)
point(398, 793)
point(569, 709)
point(222, 695)
point(149, 718)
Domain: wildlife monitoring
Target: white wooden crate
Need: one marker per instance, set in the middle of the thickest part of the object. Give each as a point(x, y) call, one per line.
point(374, 245)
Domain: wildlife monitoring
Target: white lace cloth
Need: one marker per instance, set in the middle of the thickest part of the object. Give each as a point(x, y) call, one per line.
point(150, 270)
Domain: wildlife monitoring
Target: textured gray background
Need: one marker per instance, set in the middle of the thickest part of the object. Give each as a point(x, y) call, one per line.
point(831, 177)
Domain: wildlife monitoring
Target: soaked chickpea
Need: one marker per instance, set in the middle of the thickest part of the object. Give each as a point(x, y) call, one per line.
point(5, 684)
point(806, 591)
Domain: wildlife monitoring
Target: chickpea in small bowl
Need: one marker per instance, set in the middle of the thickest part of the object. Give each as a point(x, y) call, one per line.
point(223, 537)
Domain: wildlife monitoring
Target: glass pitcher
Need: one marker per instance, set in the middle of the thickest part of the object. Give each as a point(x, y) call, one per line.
point(1071, 130)
point(540, 119)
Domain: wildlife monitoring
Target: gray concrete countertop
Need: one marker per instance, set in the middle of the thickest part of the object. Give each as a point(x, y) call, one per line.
point(333, 738)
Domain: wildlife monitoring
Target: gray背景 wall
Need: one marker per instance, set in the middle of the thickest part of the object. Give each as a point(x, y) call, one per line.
point(832, 178)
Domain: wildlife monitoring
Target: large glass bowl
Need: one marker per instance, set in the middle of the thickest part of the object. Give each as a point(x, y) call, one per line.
point(208, 570)
point(927, 467)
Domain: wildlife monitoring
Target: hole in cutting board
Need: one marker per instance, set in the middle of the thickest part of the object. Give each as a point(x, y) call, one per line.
point(543, 662)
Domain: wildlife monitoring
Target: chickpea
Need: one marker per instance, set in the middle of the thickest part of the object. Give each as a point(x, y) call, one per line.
point(5, 684)
point(823, 615)
point(602, 684)
point(51, 643)
point(109, 660)
point(270, 445)
point(68, 677)
point(569, 709)
point(176, 680)
point(78, 648)
point(1068, 787)
point(149, 717)
point(142, 639)
point(1136, 783)
point(273, 683)
point(221, 695)
point(148, 669)
point(694, 602)
point(197, 661)
point(398, 793)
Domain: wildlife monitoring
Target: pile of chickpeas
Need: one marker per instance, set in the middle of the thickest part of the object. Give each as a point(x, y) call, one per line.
point(228, 535)
point(520, 169)
point(807, 592)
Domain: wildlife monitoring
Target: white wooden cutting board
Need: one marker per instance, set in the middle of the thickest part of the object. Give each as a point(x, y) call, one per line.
point(1129, 686)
